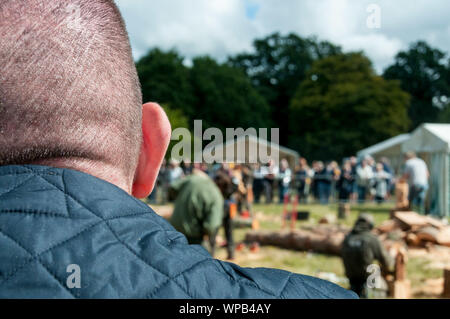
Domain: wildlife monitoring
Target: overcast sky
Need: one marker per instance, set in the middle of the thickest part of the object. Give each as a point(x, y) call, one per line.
point(224, 27)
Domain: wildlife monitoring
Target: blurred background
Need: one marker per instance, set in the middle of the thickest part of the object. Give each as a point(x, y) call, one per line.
point(353, 85)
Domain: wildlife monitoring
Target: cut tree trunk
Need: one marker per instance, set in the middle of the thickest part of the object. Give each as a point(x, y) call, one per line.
point(400, 289)
point(303, 240)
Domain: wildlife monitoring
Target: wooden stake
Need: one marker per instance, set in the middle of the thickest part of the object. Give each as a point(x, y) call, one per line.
point(446, 293)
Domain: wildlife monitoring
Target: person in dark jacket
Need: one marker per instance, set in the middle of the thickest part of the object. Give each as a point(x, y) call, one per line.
point(302, 180)
point(77, 150)
point(324, 181)
point(227, 188)
point(345, 183)
point(361, 249)
point(258, 181)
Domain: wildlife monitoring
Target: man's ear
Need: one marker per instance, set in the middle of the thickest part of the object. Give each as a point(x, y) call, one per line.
point(156, 131)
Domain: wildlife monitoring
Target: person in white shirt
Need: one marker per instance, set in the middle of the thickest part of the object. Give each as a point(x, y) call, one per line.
point(271, 171)
point(284, 180)
point(417, 174)
point(175, 172)
point(364, 175)
point(381, 183)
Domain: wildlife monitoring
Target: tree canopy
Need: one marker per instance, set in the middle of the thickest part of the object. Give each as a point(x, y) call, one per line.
point(277, 67)
point(423, 73)
point(218, 94)
point(327, 104)
point(225, 97)
point(343, 106)
point(165, 79)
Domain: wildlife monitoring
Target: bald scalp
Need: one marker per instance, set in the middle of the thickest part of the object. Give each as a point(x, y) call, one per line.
point(68, 84)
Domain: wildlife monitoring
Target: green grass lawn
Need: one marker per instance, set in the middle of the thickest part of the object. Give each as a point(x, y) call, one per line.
point(272, 215)
point(312, 264)
point(306, 263)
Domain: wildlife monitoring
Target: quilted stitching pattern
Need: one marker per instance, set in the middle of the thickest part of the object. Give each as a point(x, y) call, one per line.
point(158, 264)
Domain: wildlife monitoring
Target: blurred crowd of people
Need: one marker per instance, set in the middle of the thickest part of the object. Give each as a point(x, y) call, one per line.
point(209, 197)
point(354, 180)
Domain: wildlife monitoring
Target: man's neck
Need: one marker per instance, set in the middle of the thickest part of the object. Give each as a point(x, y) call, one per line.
point(100, 170)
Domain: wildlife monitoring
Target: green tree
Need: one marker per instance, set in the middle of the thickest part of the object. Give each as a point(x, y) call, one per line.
point(277, 67)
point(423, 72)
point(444, 115)
point(176, 117)
point(177, 120)
point(220, 95)
point(343, 106)
point(164, 79)
point(225, 97)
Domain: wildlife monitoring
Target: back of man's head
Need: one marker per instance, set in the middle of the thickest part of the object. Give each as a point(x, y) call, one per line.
point(68, 85)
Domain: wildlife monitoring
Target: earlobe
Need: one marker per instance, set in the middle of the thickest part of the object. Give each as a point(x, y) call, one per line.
point(156, 137)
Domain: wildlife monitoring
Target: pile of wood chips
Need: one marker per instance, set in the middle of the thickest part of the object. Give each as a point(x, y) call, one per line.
point(415, 230)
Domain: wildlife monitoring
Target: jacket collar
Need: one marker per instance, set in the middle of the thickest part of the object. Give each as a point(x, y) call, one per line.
point(63, 192)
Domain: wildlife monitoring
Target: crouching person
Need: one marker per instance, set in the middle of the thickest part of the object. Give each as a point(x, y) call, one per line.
point(198, 211)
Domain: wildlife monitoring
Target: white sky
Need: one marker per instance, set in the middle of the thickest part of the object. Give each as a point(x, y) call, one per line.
point(223, 27)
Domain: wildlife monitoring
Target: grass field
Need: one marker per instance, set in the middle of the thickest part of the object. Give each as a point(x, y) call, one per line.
point(420, 268)
point(423, 271)
point(270, 218)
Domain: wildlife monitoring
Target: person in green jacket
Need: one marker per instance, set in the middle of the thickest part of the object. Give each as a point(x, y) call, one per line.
point(199, 207)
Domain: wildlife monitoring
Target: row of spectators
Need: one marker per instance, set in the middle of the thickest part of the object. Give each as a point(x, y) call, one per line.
point(322, 182)
point(355, 180)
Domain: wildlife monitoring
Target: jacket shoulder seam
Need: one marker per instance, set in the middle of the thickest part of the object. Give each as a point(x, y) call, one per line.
point(249, 284)
point(285, 285)
point(156, 289)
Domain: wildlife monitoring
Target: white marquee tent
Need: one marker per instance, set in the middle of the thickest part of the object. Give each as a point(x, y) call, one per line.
point(245, 149)
point(391, 149)
point(431, 142)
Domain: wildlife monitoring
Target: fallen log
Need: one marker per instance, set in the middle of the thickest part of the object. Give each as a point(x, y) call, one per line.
point(302, 240)
point(326, 229)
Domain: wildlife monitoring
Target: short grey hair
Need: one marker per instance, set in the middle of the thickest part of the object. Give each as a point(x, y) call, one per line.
point(68, 84)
